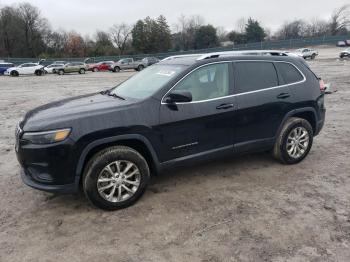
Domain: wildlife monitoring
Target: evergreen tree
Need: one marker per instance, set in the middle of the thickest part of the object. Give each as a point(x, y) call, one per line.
point(254, 32)
point(206, 37)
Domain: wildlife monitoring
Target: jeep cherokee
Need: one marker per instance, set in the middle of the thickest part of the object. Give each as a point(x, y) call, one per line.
point(178, 111)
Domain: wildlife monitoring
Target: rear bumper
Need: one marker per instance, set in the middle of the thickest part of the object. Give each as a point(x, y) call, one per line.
point(28, 179)
point(320, 123)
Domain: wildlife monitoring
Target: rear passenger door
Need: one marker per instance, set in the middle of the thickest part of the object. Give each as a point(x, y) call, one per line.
point(262, 103)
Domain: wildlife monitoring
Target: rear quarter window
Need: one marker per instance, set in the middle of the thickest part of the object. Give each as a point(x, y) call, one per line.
point(253, 76)
point(289, 73)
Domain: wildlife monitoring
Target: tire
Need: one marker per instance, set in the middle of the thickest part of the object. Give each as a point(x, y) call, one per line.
point(313, 56)
point(140, 68)
point(116, 69)
point(96, 169)
point(95, 69)
point(14, 73)
point(283, 148)
point(81, 71)
point(61, 72)
point(38, 72)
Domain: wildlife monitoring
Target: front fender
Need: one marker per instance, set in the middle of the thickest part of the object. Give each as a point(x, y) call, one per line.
point(114, 139)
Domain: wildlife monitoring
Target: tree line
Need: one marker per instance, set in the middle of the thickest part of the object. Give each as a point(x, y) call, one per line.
point(24, 32)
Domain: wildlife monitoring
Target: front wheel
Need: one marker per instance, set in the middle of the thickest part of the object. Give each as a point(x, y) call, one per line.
point(61, 72)
point(14, 73)
point(294, 141)
point(82, 71)
point(140, 68)
point(116, 69)
point(116, 178)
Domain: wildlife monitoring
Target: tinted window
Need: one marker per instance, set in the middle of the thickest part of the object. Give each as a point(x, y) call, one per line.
point(252, 76)
point(207, 82)
point(289, 73)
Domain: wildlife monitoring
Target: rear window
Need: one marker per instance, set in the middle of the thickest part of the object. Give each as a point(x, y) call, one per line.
point(289, 73)
point(252, 76)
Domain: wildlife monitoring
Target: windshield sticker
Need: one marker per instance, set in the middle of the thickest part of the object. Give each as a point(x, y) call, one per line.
point(165, 72)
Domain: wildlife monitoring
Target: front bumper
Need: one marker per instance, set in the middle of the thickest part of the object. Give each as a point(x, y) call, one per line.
point(50, 168)
point(28, 179)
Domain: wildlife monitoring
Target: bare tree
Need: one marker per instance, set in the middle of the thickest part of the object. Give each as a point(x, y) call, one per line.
point(316, 27)
point(340, 20)
point(293, 29)
point(33, 26)
point(186, 30)
point(121, 35)
point(240, 25)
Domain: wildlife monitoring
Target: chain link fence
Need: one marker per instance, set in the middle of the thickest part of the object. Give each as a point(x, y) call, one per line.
point(281, 44)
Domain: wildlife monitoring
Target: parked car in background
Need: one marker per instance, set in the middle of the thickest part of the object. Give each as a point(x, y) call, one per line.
point(341, 44)
point(25, 69)
point(51, 69)
point(150, 60)
point(60, 62)
point(127, 63)
point(4, 66)
point(101, 66)
point(73, 67)
point(110, 144)
point(345, 53)
point(306, 53)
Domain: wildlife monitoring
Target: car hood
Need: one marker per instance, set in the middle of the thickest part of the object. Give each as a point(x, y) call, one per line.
point(71, 109)
point(12, 68)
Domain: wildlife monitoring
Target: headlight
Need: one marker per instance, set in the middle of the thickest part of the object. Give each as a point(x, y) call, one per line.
point(47, 137)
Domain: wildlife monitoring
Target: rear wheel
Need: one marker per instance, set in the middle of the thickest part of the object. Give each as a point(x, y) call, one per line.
point(294, 141)
point(116, 69)
point(95, 69)
point(313, 56)
point(140, 68)
point(81, 71)
point(61, 72)
point(38, 72)
point(116, 178)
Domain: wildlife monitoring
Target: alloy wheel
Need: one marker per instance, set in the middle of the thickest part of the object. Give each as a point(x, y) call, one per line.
point(118, 181)
point(297, 142)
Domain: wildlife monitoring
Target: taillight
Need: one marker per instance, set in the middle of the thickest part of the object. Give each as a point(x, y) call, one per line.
point(322, 85)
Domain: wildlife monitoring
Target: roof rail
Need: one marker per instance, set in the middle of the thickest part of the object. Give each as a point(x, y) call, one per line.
point(246, 52)
point(181, 56)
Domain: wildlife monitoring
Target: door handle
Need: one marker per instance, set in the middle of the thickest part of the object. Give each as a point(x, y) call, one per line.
point(283, 96)
point(225, 106)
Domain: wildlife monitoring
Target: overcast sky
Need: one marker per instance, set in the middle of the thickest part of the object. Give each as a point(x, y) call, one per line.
point(86, 16)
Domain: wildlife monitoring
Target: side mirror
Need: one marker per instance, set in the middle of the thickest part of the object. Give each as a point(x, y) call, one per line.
point(178, 96)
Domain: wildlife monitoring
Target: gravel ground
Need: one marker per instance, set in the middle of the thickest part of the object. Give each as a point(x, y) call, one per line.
point(247, 208)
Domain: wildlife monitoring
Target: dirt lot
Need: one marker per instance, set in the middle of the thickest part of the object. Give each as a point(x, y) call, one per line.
point(249, 208)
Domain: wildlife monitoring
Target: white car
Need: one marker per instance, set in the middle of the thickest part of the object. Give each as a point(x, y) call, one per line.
point(51, 69)
point(306, 53)
point(25, 69)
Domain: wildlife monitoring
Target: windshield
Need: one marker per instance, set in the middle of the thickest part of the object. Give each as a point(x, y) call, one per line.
point(148, 81)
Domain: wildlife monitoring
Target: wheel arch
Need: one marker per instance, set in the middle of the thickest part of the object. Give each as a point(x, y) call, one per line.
point(134, 141)
point(307, 113)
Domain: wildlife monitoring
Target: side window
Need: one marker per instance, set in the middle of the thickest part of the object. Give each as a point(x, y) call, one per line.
point(208, 82)
point(289, 73)
point(253, 76)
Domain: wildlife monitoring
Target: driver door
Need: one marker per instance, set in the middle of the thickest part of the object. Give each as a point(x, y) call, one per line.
point(205, 124)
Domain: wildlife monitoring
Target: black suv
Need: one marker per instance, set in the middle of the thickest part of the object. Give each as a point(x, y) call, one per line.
point(180, 110)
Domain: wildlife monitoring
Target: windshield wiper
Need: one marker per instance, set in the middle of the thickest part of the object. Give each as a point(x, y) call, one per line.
point(108, 92)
